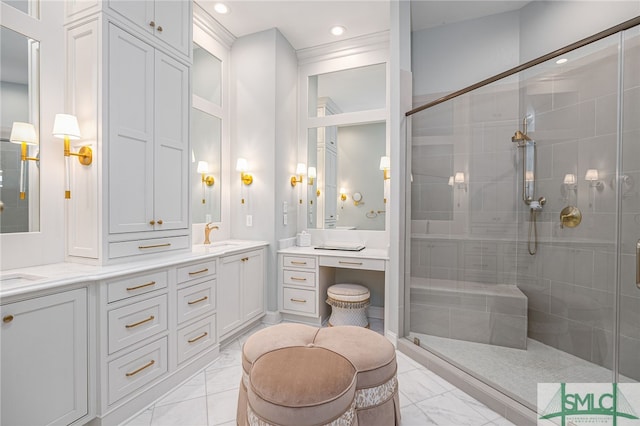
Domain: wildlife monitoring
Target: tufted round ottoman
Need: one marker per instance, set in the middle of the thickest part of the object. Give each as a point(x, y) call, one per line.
point(372, 356)
point(301, 385)
point(348, 304)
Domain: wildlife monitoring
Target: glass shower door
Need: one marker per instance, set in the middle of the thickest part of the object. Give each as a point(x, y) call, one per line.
point(628, 187)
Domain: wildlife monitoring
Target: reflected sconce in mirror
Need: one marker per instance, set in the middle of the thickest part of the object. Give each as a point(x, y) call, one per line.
point(450, 183)
point(311, 174)
point(242, 167)
point(343, 195)
point(65, 126)
point(570, 183)
point(24, 134)
point(301, 169)
point(203, 169)
point(385, 166)
point(460, 181)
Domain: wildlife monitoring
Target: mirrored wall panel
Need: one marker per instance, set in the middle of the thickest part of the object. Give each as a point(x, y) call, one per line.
point(207, 76)
point(206, 135)
point(30, 7)
point(19, 136)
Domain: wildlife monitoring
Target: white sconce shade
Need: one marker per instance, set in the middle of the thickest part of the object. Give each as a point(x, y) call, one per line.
point(23, 133)
point(569, 179)
point(450, 183)
point(241, 165)
point(343, 194)
point(203, 167)
point(592, 174)
point(301, 169)
point(529, 176)
point(66, 126)
point(459, 177)
point(312, 173)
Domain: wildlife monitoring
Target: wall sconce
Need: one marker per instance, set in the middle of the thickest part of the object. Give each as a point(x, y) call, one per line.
point(24, 134)
point(203, 169)
point(450, 183)
point(311, 174)
point(301, 169)
point(65, 126)
point(569, 184)
point(459, 180)
point(385, 166)
point(241, 166)
point(343, 195)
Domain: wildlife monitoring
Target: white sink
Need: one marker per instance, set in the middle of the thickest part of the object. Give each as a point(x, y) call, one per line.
point(15, 279)
point(219, 246)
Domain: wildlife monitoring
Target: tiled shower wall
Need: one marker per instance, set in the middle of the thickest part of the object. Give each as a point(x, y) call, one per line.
point(479, 231)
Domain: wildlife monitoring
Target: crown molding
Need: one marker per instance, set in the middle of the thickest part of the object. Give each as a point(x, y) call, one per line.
point(367, 43)
point(208, 24)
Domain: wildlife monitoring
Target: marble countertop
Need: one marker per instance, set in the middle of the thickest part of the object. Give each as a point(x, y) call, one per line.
point(20, 281)
point(367, 253)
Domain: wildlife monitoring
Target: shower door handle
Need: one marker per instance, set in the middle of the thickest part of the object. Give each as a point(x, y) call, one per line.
point(638, 264)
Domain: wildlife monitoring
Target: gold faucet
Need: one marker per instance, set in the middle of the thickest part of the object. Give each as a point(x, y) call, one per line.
point(207, 230)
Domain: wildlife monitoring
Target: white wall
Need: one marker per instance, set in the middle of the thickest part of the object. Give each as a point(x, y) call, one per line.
point(263, 125)
point(15, 103)
point(451, 57)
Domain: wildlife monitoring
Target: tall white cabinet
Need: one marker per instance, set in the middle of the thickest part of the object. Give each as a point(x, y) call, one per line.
point(129, 85)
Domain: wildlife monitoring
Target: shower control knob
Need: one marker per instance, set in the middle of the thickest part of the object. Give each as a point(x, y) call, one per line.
point(542, 201)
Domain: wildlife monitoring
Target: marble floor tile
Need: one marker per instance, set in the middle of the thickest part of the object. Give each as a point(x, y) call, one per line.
point(192, 412)
point(413, 416)
point(222, 407)
point(222, 379)
point(417, 385)
point(501, 421)
point(142, 419)
point(478, 406)
point(446, 409)
point(194, 388)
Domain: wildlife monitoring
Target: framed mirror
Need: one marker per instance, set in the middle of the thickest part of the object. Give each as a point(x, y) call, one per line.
point(206, 136)
point(348, 192)
point(20, 93)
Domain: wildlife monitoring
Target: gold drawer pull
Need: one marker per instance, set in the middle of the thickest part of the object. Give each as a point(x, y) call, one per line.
point(7, 319)
point(199, 272)
point(141, 286)
point(149, 364)
point(202, 299)
point(244, 259)
point(298, 279)
point(151, 318)
point(299, 300)
point(195, 339)
point(154, 246)
point(295, 262)
point(344, 262)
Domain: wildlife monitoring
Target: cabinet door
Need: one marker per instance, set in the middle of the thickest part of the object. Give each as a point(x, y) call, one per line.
point(171, 201)
point(252, 284)
point(43, 344)
point(229, 292)
point(131, 65)
point(173, 24)
point(140, 12)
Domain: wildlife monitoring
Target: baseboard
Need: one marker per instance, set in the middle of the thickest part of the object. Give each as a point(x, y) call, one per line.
point(272, 317)
point(376, 312)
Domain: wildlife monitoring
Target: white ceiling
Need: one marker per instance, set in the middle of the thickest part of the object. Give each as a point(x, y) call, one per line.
point(306, 23)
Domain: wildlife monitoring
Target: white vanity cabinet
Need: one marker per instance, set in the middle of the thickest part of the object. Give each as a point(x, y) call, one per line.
point(166, 20)
point(241, 290)
point(44, 338)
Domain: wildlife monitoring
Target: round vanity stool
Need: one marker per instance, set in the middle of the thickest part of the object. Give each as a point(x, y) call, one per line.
point(304, 385)
point(348, 304)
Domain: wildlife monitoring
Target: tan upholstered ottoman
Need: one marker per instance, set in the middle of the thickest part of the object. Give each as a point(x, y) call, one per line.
point(372, 356)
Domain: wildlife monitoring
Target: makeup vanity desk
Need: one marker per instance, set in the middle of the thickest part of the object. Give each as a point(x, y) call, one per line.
point(305, 273)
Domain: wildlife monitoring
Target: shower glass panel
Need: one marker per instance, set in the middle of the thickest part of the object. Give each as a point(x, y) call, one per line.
point(478, 297)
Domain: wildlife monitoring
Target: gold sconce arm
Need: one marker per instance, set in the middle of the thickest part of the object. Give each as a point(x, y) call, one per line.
point(85, 154)
point(208, 180)
point(246, 178)
point(295, 180)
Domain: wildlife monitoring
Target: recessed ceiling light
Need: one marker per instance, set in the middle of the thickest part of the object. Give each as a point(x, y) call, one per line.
point(338, 30)
point(561, 61)
point(221, 8)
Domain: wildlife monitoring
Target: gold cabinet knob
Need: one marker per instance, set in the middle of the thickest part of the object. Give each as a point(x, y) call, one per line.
point(152, 222)
point(152, 24)
point(159, 28)
point(7, 319)
point(160, 222)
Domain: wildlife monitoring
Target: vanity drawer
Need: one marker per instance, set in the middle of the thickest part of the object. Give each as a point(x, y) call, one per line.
point(299, 262)
point(156, 245)
point(299, 300)
point(197, 270)
point(301, 278)
point(135, 285)
point(196, 337)
point(134, 370)
point(196, 300)
point(352, 263)
point(135, 322)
